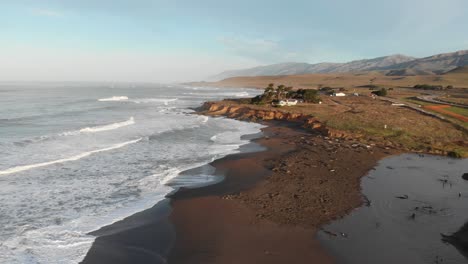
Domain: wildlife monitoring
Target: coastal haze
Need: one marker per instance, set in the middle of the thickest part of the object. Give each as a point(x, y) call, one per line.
point(79, 157)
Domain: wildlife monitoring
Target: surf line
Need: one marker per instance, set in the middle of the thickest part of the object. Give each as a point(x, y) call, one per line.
point(74, 158)
point(113, 126)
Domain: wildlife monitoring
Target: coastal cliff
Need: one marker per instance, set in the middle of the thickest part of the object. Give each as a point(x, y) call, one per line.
point(363, 126)
point(308, 122)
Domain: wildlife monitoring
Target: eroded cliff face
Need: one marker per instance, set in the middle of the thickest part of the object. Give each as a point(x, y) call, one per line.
point(247, 113)
point(313, 124)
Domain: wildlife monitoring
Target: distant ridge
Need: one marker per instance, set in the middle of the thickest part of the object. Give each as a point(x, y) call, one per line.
point(459, 70)
point(394, 65)
point(437, 64)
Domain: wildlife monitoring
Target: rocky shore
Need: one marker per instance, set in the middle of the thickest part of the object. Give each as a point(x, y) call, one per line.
point(270, 204)
point(318, 180)
point(396, 139)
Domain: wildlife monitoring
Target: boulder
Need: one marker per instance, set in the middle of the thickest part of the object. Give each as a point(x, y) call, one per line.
point(465, 176)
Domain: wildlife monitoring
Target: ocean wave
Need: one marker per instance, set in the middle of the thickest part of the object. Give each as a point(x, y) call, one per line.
point(205, 95)
point(114, 99)
point(243, 94)
point(154, 100)
point(20, 120)
point(166, 176)
point(113, 126)
point(74, 158)
point(203, 119)
point(95, 129)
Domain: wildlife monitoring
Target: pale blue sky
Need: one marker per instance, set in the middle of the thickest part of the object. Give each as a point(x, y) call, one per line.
point(180, 40)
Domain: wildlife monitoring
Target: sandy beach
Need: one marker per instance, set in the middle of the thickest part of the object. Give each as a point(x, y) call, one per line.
point(267, 209)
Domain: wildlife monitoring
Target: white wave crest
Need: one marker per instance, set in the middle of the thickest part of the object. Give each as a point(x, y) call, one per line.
point(154, 100)
point(113, 99)
point(203, 119)
point(74, 158)
point(243, 94)
point(113, 126)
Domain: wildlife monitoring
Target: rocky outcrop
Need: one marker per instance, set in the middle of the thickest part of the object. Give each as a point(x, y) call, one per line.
point(241, 112)
point(253, 113)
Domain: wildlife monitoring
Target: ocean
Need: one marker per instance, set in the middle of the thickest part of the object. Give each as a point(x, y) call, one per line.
point(77, 157)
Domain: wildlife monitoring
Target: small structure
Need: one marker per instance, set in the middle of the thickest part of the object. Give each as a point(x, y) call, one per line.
point(339, 94)
point(288, 102)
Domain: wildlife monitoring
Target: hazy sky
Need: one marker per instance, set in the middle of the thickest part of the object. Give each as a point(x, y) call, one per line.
point(180, 40)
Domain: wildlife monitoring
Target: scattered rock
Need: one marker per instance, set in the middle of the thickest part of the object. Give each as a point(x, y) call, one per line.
point(404, 197)
point(465, 176)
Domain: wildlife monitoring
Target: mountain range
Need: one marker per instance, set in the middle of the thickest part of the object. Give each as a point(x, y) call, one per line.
point(394, 65)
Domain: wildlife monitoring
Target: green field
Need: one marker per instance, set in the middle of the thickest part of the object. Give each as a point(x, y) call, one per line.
point(458, 110)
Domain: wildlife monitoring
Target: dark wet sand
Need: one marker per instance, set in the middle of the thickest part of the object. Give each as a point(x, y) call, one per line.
point(267, 210)
point(145, 237)
point(212, 228)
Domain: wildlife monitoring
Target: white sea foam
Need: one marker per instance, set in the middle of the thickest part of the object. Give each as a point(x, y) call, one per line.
point(243, 94)
point(226, 138)
point(113, 126)
point(203, 119)
point(169, 175)
point(165, 101)
point(114, 99)
point(48, 213)
point(74, 158)
point(95, 129)
point(68, 243)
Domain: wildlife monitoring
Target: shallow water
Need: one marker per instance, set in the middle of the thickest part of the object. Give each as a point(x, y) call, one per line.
point(413, 201)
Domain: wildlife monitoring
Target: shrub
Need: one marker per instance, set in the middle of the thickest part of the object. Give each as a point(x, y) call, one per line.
point(311, 96)
point(454, 154)
point(326, 89)
point(428, 87)
point(257, 99)
point(381, 92)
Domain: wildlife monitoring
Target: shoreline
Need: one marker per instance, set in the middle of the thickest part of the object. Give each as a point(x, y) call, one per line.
point(254, 215)
point(213, 227)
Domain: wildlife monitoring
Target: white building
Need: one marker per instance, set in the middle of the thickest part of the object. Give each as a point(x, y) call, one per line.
point(289, 102)
point(339, 94)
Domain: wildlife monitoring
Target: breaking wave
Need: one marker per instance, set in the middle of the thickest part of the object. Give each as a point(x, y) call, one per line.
point(113, 126)
point(74, 158)
point(113, 99)
point(154, 100)
point(203, 119)
point(95, 129)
